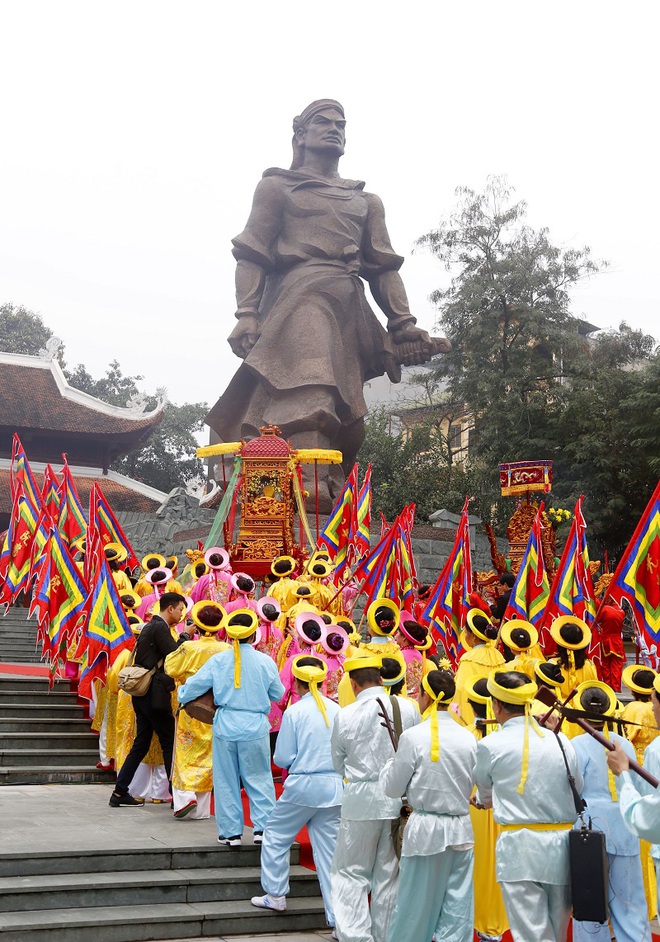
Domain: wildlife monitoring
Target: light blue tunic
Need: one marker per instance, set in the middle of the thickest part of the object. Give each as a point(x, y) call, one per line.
point(303, 747)
point(524, 855)
point(243, 711)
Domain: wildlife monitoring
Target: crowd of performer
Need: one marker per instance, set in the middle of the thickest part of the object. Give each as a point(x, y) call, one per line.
point(435, 800)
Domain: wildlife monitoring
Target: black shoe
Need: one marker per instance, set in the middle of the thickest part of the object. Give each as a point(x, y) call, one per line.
point(258, 837)
point(230, 841)
point(116, 801)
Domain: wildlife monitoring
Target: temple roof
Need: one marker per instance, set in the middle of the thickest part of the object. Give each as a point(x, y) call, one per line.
point(123, 493)
point(34, 394)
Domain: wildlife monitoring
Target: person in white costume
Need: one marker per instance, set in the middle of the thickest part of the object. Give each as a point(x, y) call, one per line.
point(434, 767)
point(628, 909)
point(365, 861)
point(312, 790)
point(639, 802)
point(522, 775)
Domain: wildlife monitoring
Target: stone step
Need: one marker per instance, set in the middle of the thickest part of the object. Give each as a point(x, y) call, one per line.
point(35, 684)
point(43, 725)
point(55, 697)
point(43, 710)
point(166, 921)
point(27, 758)
point(150, 859)
point(48, 741)
point(141, 887)
point(54, 775)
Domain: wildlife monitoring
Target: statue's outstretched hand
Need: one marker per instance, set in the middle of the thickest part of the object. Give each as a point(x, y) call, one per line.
point(244, 335)
point(409, 333)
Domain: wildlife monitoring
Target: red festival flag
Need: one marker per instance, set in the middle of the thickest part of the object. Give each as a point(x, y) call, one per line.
point(50, 493)
point(109, 528)
point(15, 557)
point(637, 577)
point(449, 603)
point(71, 521)
point(340, 524)
point(21, 475)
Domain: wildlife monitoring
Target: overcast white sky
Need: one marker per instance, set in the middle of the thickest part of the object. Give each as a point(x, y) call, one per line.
point(135, 132)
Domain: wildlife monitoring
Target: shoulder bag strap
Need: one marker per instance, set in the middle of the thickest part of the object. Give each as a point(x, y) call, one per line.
point(396, 716)
point(580, 803)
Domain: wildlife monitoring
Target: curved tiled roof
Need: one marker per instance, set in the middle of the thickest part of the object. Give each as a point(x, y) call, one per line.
point(123, 494)
point(34, 394)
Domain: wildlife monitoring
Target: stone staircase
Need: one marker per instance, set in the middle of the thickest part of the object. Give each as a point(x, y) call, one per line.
point(136, 895)
point(18, 638)
point(45, 737)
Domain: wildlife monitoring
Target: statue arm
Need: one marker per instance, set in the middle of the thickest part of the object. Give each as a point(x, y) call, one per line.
point(253, 251)
point(380, 267)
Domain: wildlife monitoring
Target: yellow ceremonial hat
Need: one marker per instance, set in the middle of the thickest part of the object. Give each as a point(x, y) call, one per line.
point(478, 629)
point(643, 684)
point(152, 561)
point(241, 623)
point(392, 681)
point(548, 673)
point(208, 616)
point(129, 599)
point(472, 694)
point(518, 642)
point(584, 688)
point(562, 622)
point(358, 663)
point(199, 569)
point(283, 566)
point(319, 568)
point(309, 673)
point(383, 617)
point(115, 552)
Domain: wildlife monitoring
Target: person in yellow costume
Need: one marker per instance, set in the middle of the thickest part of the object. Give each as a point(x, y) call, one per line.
point(522, 639)
point(490, 920)
point(639, 680)
point(572, 636)
point(290, 647)
point(192, 765)
point(383, 618)
point(149, 562)
point(322, 594)
point(116, 554)
point(478, 660)
point(284, 587)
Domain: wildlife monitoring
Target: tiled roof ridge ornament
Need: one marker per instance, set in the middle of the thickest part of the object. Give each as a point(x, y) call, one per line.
point(52, 348)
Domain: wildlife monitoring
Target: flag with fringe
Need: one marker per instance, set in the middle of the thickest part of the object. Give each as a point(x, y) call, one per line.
point(362, 537)
point(106, 630)
point(531, 589)
point(340, 524)
point(15, 557)
point(71, 521)
point(375, 570)
point(109, 528)
point(51, 493)
point(637, 576)
point(67, 594)
point(21, 475)
point(572, 591)
point(448, 602)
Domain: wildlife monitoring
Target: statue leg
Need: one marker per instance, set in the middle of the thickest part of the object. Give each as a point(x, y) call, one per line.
point(315, 439)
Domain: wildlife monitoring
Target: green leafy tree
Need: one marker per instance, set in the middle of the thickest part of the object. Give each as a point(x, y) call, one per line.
point(21, 330)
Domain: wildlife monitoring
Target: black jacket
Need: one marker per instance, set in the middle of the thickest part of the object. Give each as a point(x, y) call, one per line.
point(154, 643)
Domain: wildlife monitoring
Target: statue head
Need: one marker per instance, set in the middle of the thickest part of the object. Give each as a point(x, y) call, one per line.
point(321, 126)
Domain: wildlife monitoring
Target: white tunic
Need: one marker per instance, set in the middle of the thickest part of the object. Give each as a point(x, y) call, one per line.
point(640, 803)
point(540, 856)
point(303, 747)
point(438, 792)
point(360, 748)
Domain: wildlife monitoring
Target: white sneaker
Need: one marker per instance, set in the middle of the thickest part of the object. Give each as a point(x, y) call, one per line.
point(278, 903)
point(230, 841)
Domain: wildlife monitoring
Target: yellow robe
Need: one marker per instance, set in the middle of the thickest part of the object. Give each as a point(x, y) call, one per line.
point(489, 912)
point(525, 662)
point(192, 767)
point(124, 726)
point(122, 581)
point(284, 592)
point(476, 662)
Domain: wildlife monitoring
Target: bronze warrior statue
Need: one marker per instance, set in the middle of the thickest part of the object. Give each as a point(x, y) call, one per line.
point(306, 333)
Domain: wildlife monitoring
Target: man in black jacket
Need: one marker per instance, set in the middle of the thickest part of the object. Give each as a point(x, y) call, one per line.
point(153, 711)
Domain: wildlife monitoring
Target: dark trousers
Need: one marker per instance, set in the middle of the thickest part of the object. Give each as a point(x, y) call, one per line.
point(148, 721)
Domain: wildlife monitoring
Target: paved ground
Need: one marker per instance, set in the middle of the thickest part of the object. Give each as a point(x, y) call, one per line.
point(36, 818)
point(78, 817)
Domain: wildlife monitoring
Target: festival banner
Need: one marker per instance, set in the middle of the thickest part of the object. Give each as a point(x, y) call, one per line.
point(51, 493)
point(15, 558)
point(521, 477)
point(109, 528)
point(531, 589)
point(340, 524)
point(67, 594)
point(106, 631)
point(449, 603)
point(572, 591)
point(637, 576)
point(362, 537)
point(375, 570)
point(71, 520)
point(21, 475)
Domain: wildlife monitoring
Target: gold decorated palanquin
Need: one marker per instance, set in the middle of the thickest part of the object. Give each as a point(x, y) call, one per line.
point(267, 501)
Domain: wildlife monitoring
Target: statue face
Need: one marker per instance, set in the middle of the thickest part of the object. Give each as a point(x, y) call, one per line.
point(325, 132)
